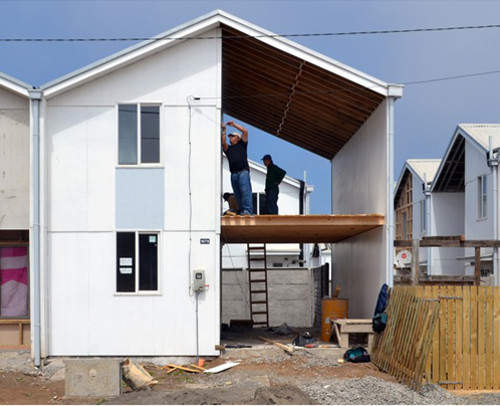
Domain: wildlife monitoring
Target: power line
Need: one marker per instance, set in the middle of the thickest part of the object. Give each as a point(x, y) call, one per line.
point(242, 36)
point(465, 75)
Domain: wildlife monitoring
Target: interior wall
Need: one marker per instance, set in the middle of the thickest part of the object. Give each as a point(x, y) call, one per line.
point(359, 186)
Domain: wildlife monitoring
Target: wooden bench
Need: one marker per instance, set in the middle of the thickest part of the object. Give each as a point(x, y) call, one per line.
point(344, 327)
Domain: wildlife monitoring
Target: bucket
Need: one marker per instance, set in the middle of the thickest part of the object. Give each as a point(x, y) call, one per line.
point(331, 309)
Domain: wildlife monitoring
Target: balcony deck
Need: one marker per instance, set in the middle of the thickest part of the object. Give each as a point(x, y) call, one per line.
point(315, 228)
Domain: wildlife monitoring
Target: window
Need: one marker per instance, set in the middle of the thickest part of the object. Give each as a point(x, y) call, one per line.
point(259, 203)
point(14, 282)
point(423, 214)
point(481, 197)
point(136, 262)
point(138, 134)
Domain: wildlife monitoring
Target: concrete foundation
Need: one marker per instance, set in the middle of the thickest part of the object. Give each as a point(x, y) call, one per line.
point(93, 377)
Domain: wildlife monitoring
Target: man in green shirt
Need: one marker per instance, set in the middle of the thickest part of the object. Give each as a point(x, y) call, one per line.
point(273, 178)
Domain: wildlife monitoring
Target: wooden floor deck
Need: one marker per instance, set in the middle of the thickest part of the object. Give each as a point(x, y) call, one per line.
point(315, 228)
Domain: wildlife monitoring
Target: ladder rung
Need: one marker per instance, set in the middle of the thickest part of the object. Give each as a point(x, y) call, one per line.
point(257, 258)
point(258, 280)
point(259, 313)
point(258, 291)
point(258, 302)
point(261, 247)
point(259, 322)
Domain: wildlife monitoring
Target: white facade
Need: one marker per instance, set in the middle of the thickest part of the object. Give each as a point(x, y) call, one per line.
point(14, 156)
point(86, 315)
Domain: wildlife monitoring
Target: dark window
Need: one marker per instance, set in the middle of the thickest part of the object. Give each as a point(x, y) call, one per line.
point(150, 134)
point(125, 262)
point(138, 130)
point(148, 262)
point(132, 273)
point(127, 134)
point(14, 285)
point(259, 203)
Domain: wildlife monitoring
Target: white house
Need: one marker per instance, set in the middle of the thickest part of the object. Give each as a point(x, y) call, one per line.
point(14, 211)
point(128, 202)
point(468, 181)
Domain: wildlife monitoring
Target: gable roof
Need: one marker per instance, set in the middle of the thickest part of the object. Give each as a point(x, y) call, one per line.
point(14, 85)
point(423, 169)
point(268, 81)
point(451, 173)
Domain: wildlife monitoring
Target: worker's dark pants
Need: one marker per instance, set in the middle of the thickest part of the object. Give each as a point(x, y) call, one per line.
point(272, 201)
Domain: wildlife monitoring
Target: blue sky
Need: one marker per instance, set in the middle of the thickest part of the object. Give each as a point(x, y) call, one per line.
point(426, 116)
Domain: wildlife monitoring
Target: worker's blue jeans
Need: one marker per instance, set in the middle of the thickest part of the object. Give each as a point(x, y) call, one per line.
point(242, 189)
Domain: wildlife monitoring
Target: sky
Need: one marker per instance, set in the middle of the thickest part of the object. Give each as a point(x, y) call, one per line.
point(425, 117)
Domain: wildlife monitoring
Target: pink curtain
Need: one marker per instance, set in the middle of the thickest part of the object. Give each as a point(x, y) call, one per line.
point(14, 282)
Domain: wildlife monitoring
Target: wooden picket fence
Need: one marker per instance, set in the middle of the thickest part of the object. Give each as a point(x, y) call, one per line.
point(465, 351)
point(403, 348)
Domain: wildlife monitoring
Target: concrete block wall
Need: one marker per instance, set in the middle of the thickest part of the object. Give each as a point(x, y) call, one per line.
point(290, 290)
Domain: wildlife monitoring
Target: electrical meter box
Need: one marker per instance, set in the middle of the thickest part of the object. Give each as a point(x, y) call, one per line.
point(198, 280)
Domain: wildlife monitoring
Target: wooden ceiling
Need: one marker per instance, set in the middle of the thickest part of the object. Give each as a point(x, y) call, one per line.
point(451, 177)
point(292, 99)
point(296, 228)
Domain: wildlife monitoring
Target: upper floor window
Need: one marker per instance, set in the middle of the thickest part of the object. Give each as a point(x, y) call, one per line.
point(482, 196)
point(138, 134)
point(423, 215)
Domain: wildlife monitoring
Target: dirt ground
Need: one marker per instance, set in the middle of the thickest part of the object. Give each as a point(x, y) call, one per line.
point(256, 382)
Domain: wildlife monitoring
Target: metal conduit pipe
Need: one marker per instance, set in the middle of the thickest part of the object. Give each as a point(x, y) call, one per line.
point(390, 201)
point(493, 164)
point(427, 193)
point(35, 97)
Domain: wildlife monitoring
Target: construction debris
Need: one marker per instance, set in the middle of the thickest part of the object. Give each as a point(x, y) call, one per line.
point(284, 347)
point(136, 376)
point(221, 368)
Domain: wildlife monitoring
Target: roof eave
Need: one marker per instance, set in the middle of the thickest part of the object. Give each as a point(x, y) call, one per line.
point(16, 86)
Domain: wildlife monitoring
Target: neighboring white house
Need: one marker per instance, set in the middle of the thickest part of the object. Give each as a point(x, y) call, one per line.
point(127, 185)
point(14, 211)
point(413, 205)
point(468, 181)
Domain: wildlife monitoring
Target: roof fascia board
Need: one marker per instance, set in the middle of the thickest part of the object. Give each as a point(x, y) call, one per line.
point(308, 55)
point(14, 85)
point(400, 179)
point(131, 54)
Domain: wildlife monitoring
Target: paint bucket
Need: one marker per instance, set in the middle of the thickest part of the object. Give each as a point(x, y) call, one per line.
point(331, 309)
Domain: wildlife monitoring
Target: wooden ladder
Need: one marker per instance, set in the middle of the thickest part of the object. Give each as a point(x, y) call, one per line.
point(257, 282)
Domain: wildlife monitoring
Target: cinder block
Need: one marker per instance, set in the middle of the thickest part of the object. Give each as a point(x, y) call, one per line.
point(93, 377)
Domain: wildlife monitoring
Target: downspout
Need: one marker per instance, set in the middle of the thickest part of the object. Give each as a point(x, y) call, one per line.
point(427, 194)
point(301, 211)
point(493, 164)
point(35, 97)
point(390, 176)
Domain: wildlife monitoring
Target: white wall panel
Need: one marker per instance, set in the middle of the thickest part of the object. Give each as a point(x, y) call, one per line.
point(14, 161)
point(359, 186)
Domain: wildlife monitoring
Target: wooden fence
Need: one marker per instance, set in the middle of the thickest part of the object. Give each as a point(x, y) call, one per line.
point(465, 352)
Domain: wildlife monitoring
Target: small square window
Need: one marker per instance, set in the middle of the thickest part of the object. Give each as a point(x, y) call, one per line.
point(136, 262)
point(138, 134)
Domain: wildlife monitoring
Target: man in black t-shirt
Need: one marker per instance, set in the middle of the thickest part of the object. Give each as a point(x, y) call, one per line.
point(236, 153)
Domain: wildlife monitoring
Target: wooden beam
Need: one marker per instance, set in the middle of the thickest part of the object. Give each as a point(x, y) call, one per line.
point(415, 267)
point(428, 242)
point(477, 266)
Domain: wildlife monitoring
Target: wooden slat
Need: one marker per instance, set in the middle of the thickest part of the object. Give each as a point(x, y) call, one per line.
point(473, 339)
point(450, 342)
point(442, 341)
point(489, 342)
point(435, 343)
point(458, 292)
point(428, 367)
point(466, 337)
point(481, 338)
point(496, 337)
